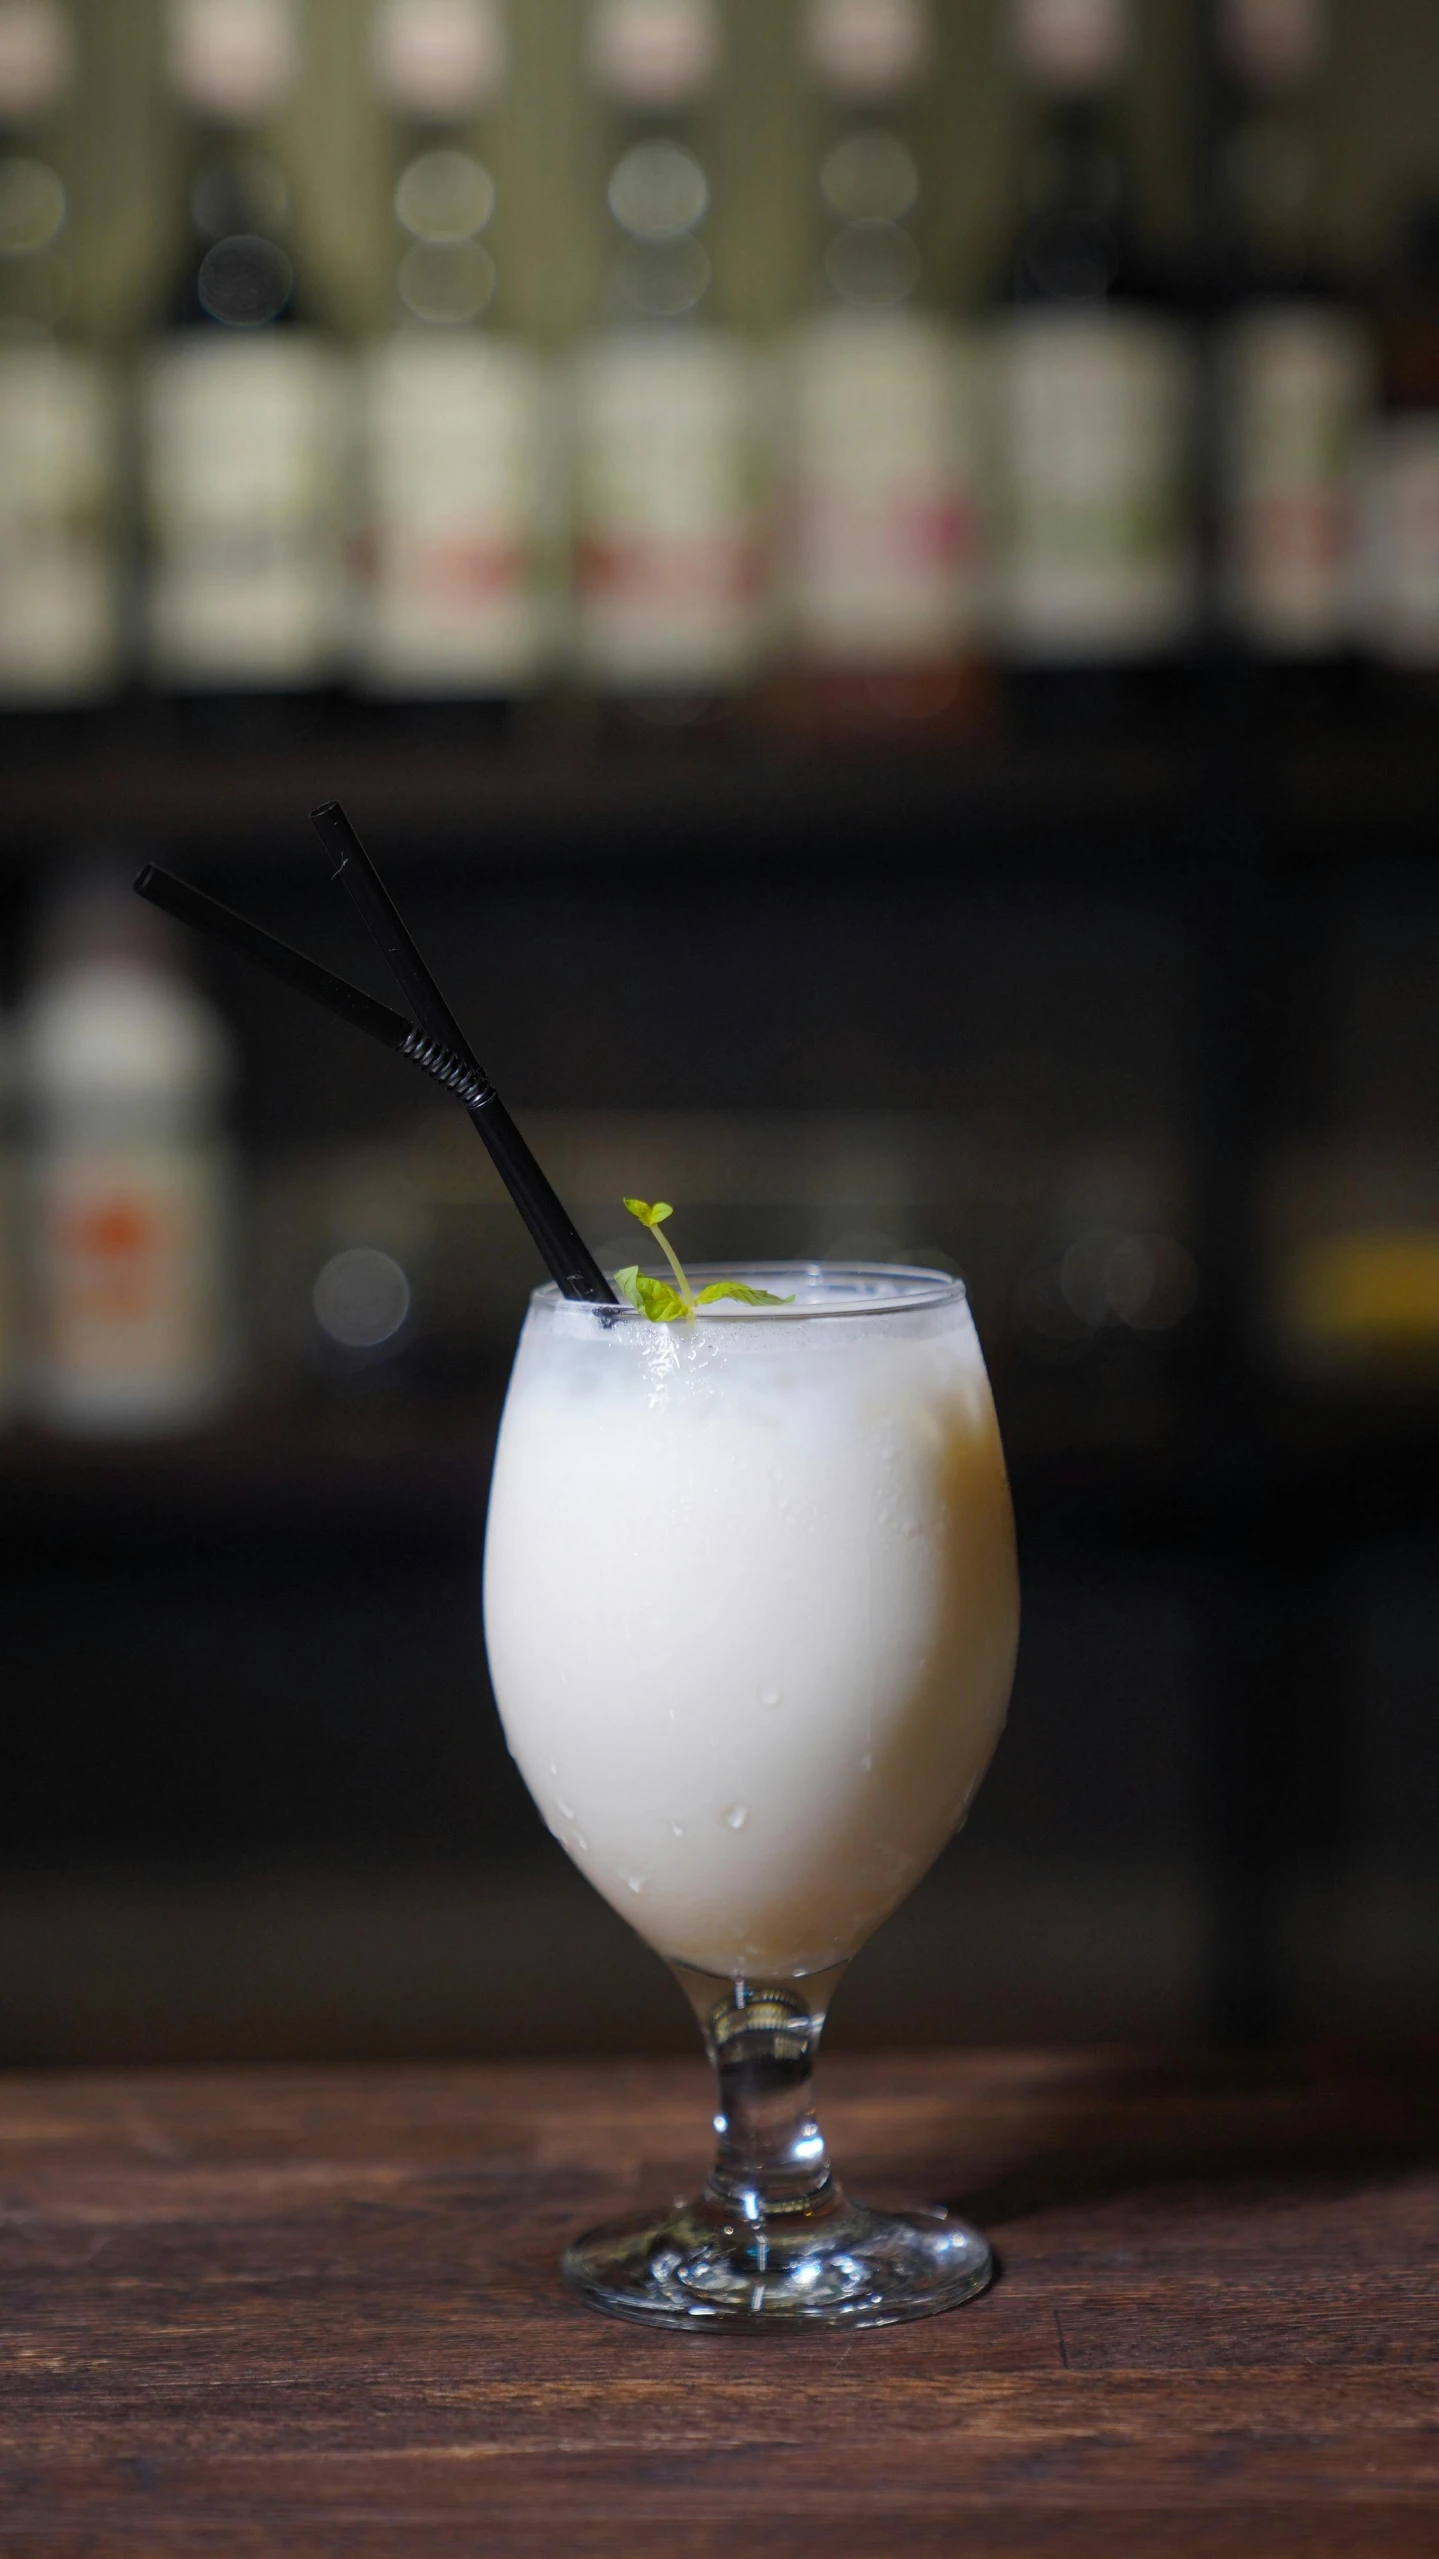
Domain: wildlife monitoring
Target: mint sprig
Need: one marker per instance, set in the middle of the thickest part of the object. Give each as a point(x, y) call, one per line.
point(664, 1304)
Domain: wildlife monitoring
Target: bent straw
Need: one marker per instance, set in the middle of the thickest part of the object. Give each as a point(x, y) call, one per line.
point(357, 874)
point(363, 1012)
point(564, 1249)
point(194, 906)
point(456, 1072)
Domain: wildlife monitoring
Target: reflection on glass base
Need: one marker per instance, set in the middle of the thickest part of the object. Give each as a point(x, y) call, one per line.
point(830, 2264)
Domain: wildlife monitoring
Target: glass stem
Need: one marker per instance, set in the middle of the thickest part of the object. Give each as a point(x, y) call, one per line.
point(763, 2040)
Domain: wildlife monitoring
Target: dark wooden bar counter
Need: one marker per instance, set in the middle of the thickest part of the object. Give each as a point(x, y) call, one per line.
point(317, 2312)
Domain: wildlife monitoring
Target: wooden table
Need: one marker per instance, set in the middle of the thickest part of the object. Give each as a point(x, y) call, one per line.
point(306, 2312)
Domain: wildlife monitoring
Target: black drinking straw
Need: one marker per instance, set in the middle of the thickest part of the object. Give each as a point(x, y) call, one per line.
point(194, 906)
point(563, 1249)
point(357, 874)
point(559, 1240)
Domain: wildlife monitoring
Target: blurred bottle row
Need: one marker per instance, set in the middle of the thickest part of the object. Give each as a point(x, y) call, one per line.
point(150, 1279)
point(682, 348)
point(148, 1284)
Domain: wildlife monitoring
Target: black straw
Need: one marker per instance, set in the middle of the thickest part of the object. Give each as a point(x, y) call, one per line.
point(562, 1247)
point(194, 906)
point(363, 1012)
point(357, 874)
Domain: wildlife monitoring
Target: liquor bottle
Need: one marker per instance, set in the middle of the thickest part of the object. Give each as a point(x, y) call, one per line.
point(1096, 382)
point(459, 433)
point(123, 1067)
point(1400, 573)
point(59, 627)
point(667, 504)
point(1295, 364)
point(243, 409)
point(884, 573)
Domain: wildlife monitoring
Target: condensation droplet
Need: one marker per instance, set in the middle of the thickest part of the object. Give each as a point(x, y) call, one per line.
point(770, 1697)
point(678, 1829)
point(566, 1811)
point(637, 1883)
point(867, 1762)
point(736, 1815)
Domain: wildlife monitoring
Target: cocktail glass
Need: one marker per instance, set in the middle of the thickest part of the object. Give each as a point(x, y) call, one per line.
point(751, 1607)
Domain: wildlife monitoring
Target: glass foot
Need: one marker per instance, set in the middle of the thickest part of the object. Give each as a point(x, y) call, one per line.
point(841, 2266)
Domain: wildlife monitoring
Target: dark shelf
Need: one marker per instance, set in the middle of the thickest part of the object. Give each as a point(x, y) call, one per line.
point(407, 1478)
point(554, 798)
point(749, 799)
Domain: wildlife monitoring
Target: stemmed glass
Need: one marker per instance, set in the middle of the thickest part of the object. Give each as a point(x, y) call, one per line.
point(751, 1606)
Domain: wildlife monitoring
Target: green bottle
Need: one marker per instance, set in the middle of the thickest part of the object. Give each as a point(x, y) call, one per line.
point(59, 595)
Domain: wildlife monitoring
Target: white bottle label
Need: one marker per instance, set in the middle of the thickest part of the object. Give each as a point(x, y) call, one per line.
point(439, 59)
point(654, 53)
point(1274, 44)
point(668, 550)
point(236, 60)
point(245, 482)
point(37, 57)
point(1096, 411)
point(1296, 387)
point(130, 1286)
point(459, 451)
point(884, 537)
point(59, 638)
point(868, 48)
point(1071, 44)
point(1401, 541)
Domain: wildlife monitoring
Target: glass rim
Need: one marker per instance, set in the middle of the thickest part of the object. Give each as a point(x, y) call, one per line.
point(898, 1288)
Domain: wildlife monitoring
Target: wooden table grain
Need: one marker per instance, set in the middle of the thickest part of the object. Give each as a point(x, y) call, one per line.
point(317, 2312)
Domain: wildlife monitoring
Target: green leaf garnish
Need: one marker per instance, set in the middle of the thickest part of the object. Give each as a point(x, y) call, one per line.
point(652, 1297)
point(744, 1296)
point(655, 1297)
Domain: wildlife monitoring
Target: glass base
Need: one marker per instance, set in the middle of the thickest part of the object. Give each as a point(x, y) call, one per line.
point(834, 2265)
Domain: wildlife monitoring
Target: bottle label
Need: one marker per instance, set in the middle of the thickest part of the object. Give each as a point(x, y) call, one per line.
point(37, 57)
point(59, 638)
point(1400, 577)
point(236, 60)
point(884, 538)
point(1096, 410)
point(130, 1283)
point(1296, 385)
point(1072, 44)
point(654, 53)
point(1273, 44)
point(244, 471)
point(868, 48)
point(439, 60)
point(668, 566)
point(458, 435)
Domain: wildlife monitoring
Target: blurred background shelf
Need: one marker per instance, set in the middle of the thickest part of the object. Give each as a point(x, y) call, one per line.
point(1090, 804)
point(879, 583)
point(743, 803)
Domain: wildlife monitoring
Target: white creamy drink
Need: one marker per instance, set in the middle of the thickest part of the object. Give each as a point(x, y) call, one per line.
point(751, 1606)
